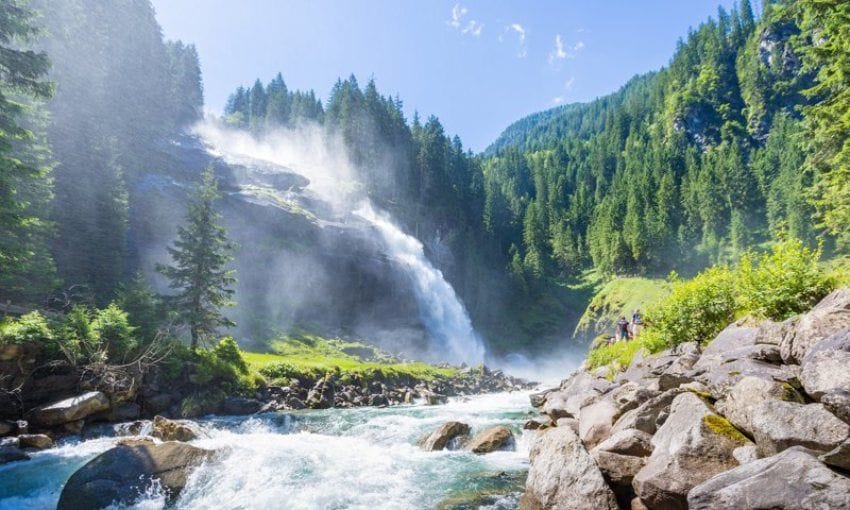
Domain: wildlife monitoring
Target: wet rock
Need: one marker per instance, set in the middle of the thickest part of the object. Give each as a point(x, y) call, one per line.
point(563, 475)
point(12, 454)
point(492, 439)
point(124, 412)
point(378, 400)
point(794, 479)
point(829, 317)
point(37, 441)
point(534, 425)
point(119, 475)
point(240, 405)
point(693, 445)
point(70, 409)
point(6, 427)
point(322, 395)
point(175, 430)
point(295, 403)
point(444, 435)
point(538, 399)
point(825, 366)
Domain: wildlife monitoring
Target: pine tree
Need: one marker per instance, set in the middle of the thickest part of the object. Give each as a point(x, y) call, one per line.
point(199, 273)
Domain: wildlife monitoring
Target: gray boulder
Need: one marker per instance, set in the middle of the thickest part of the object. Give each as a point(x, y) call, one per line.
point(825, 366)
point(645, 417)
point(70, 409)
point(36, 441)
point(693, 445)
point(122, 474)
point(443, 436)
point(575, 392)
point(838, 457)
point(175, 430)
point(630, 395)
point(778, 425)
point(721, 378)
point(676, 368)
point(838, 403)
point(792, 480)
point(596, 420)
point(741, 400)
point(829, 317)
point(631, 442)
point(729, 345)
point(492, 439)
point(240, 405)
point(564, 476)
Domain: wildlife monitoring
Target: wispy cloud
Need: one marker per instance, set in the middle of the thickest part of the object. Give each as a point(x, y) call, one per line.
point(568, 86)
point(456, 21)
point(519, 30)
point(561, 51)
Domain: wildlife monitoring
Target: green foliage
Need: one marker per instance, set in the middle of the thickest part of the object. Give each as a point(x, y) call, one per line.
point(144, 308)
point(228, 351)
point(29, 328)
point(202, 403)
point(200, 254)
point(619, 354)
point(111, 327)
point(721, 426)
point(782, 283)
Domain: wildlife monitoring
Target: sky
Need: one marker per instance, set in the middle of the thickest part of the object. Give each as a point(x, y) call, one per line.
point(477, 65)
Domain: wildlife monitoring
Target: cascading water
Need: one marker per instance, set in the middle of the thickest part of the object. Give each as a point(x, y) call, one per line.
point(443, 314)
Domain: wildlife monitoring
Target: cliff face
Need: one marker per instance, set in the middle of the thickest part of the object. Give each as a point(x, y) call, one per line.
point(299, 263)
point(758, 418)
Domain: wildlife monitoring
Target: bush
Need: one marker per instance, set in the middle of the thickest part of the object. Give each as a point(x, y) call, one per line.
point(784, 282)
point(113, 331)
point(227, 350)
point(279, 370)
point(697, 309)
point(29, 328)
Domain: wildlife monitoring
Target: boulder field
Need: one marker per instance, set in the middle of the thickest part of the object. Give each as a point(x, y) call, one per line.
point(758, 418)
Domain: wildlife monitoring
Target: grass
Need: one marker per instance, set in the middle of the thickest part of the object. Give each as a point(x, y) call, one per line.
point(313, 355)
point(620, 296)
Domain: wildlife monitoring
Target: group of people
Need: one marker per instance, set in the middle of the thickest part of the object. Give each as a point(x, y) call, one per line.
point(627, 330)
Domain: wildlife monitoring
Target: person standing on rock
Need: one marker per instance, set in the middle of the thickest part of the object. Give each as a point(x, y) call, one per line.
point(622, 329)
point(637, 322)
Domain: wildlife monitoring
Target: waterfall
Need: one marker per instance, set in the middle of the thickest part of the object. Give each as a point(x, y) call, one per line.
point(443, 314)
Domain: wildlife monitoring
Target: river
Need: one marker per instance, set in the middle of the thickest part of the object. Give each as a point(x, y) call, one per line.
point(362, 458)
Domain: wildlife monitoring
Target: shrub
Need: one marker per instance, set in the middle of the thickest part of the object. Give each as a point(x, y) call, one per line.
point(112, 329)
point(279, 370)
point(201, 403)
point(784, 282)
point(227, 350)
point(29, 328)
point(697, 309)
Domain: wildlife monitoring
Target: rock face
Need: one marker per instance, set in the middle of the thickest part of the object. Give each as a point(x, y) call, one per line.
point(69, 410)
point(825, 366)
point(794, 479)
point(693, 445)
point(175, 430)
point(119, 475)
point(490, 440)
point(440, 438)
point(563, 476)
point(830, 316)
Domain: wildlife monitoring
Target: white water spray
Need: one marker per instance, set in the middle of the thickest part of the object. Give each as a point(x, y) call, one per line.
point(308, 151)
point(444, 315)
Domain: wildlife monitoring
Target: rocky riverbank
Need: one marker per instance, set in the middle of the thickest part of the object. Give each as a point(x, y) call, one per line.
point(757, 418)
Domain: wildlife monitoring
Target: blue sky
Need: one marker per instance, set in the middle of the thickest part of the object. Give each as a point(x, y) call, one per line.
point(477, 65)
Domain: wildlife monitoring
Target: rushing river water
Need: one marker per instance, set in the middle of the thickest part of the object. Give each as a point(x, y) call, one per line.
point(361, 458)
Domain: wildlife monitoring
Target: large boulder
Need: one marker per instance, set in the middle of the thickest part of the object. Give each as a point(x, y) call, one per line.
point(443, 436)
point(646, 416)
point(630, 395)
point(620, 458)
point(240, 405)
point(825, 366)
point(721, 378)
point(838, 457)
point(322, 395)
point(492, 439)
point(741, 401)
point(122, 474)
point(596, 420)
point(673, 367)
point(175, 430)
point(563, 475)
point(829, 317)
point(631, 442)
point(693, 445)
point(778, 425)
point(577, 391)
point(792, 480)
point(730, 344)
point(36, 441)
point(69, 410)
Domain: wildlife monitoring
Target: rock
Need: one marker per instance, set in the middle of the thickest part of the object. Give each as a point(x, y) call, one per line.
point(638, 369)
point(721, 378)
point(568, 422)
point(538, 399)
point(619, 471)
point(492, 439)
point(631, 442)
point(37, 441)
point(158, 403)
point(838, 457)
point(577, 391)
point(175, 430)
point(693, 445)
point(12, 454)
point(534, 425)
point(322, 395)
point(746, 453)
point(443, 436)
point(829, 317)
point(825, 366)
point(740, 403)
point(794, 479)
point(563, 475)
point(295, 403)
point(70, 409)
point(773, 333)
point(677, 371)
point(135, 441)
point(596, 420)
point(838, 403)
point(240, 405)
point(378, 400)
point(778, 425)
point(120, 474)
point(630, 395)
point(127, 411)
point(7, 427)
point(645, 416)
point(727, 346)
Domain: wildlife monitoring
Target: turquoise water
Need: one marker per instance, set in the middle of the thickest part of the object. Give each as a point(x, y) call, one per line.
point(332, 459)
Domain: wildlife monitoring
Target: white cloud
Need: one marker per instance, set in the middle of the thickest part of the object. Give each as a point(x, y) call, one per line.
point(558, 100)
point(568, 86)
point(471, 27)
point(561, 52)
point(520, 31)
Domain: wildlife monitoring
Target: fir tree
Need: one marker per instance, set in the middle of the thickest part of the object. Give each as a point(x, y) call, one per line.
point(199, 273)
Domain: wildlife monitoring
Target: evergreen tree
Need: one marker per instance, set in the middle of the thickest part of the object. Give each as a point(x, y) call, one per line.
point(199, 274)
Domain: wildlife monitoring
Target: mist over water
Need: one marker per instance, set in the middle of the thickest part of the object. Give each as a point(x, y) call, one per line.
point(308, 151)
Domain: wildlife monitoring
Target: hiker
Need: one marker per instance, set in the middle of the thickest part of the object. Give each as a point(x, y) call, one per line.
point(637, 322)
point(622, 328)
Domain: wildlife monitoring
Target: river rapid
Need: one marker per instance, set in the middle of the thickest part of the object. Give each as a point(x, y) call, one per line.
point(362, 458)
